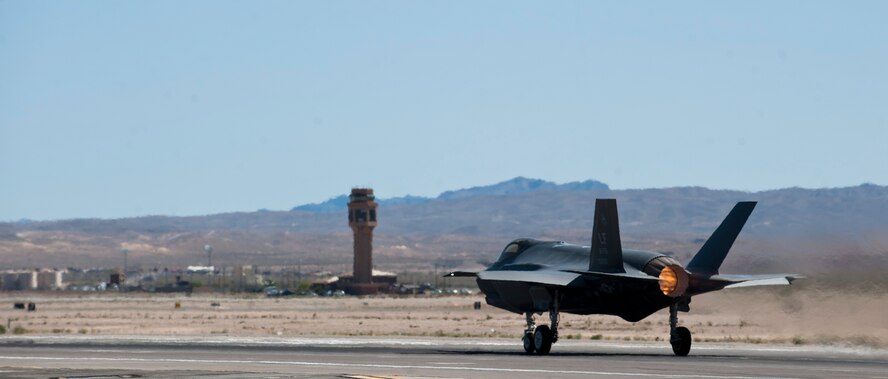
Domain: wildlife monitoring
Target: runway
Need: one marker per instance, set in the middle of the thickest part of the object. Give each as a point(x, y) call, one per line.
point(419, 358)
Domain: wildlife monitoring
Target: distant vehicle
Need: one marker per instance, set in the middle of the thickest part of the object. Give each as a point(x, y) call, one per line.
point(276, 292)
point(336, 293)
point(532, 277)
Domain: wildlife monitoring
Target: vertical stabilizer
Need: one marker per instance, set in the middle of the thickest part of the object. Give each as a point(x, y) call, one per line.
point(713, 253)
point(607, 251)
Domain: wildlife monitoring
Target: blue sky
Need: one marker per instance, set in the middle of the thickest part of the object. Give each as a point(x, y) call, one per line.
point(116, 109)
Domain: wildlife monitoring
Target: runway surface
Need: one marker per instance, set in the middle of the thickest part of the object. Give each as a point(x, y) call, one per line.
point(46, 357)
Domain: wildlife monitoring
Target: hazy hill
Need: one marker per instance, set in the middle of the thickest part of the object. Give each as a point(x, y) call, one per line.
point(509, 187)
point(822, 229)
point(521, 185)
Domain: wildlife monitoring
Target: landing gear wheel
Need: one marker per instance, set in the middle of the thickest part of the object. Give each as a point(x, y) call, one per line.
point(681, 342)
point(528, 343)
point(542, 340)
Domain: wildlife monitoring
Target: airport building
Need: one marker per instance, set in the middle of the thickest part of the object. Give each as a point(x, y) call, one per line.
point(362, 220)
point(42, 280)
point(19, 280)
point(244, 278)
point(50, 280)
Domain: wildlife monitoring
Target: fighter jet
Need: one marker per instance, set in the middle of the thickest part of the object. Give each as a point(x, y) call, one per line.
point(532, 277)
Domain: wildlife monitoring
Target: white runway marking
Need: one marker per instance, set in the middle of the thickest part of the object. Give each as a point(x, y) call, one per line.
point(436, 342)
point(365, 365)
point(119, 351)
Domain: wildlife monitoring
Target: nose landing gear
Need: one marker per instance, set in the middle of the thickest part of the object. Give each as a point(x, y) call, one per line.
point(528, 338)
point(539, 339)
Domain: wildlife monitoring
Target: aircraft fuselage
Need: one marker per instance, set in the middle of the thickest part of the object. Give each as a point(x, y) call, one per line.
point(579, 294)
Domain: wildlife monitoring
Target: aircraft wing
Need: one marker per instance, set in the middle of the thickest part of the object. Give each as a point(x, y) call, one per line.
point(557, 277)
point(737, 281)
point(608, 275)
point(548, 277)
point(566, 277)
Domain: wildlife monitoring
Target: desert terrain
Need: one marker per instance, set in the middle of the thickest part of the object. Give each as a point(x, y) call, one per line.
point(834, 237)
point(800, 314)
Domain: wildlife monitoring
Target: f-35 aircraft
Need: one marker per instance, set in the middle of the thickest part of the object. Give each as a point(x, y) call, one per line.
point(531, 277)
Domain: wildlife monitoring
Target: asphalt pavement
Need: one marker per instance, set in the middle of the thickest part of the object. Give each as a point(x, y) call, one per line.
point(174, 357)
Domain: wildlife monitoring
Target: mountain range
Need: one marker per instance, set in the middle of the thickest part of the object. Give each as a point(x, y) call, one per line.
point(817, 229)
point(509, 187)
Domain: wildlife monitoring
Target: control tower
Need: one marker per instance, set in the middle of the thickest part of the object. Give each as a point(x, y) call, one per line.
point(362, 220)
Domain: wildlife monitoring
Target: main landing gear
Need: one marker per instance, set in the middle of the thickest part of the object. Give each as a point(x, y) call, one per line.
point(679, 336)
point(539, 339)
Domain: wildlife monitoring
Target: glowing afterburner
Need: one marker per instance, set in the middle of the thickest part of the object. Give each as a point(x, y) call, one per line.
point(673, 281)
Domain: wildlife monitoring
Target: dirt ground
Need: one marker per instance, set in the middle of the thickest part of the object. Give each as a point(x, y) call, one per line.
point(761, 315)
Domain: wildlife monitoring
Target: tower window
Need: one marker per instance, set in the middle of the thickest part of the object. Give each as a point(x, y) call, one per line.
point(372, 215)
point(351, 215)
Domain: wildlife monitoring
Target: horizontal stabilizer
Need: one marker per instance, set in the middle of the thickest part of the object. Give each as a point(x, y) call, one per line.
point(738, 281)
point(461, 274)
point(761, 282)
point(713, 253)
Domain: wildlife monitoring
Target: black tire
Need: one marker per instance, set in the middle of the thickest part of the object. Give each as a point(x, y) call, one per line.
point(682, 345)
point(528, 343)
point(542, 340)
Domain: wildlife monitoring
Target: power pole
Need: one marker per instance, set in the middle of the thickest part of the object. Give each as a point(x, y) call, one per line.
point(209, 250)
point(125, 254)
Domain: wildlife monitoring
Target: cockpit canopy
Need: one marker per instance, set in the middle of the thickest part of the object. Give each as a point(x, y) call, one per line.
point(516, 247)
